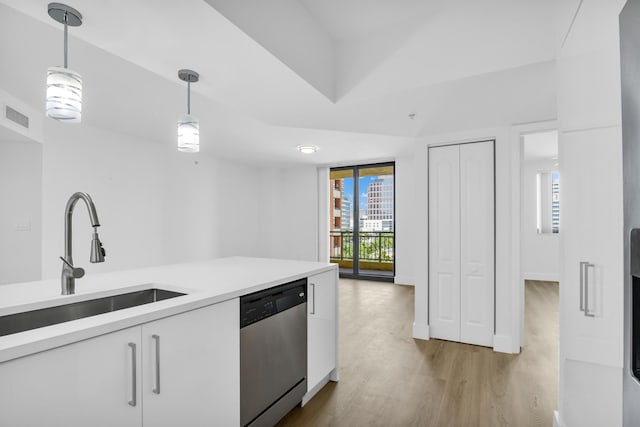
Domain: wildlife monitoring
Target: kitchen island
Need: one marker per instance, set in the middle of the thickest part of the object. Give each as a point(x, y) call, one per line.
point(104, 369)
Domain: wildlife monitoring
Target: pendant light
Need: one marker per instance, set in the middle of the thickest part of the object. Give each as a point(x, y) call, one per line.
point(188, 126)
point(64, 86)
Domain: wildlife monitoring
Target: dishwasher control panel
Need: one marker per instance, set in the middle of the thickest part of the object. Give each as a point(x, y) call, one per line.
point(263, 304)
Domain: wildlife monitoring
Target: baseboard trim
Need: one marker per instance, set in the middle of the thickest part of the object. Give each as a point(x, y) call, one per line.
point(504, 344)
point(543, 277)
point(420, 331)
point(556, 419)
point(404, 280)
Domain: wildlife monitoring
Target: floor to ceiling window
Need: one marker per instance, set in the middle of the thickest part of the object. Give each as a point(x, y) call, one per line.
point(361, 212)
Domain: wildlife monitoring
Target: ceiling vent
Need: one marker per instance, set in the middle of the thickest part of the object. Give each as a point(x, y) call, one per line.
point(16, 117)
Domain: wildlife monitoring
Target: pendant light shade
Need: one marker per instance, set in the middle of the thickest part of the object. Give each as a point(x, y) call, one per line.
point(64, 95)
point(188, 134)
point(64, 86)
point(188, 126)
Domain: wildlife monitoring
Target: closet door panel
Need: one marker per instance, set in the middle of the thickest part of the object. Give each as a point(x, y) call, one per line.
point(444, 242)
point(477, 243)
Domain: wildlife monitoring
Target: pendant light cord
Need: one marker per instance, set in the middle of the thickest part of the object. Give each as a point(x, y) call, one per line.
point(65, 39)
point(189, 96)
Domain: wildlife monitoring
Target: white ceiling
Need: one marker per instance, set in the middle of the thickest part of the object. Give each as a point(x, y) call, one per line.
point(357, 19)
point(341, 74)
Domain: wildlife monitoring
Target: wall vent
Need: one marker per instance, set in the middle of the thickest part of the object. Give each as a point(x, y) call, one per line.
point(16, 117)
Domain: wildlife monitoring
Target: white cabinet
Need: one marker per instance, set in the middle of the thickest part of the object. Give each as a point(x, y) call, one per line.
point(591, 284)
point(89, 383)
point(322, 329)
point(191, 368)
point(591, 215)
point(100, 382)
point(591, 228)
point(461, 242)
point(589, 65)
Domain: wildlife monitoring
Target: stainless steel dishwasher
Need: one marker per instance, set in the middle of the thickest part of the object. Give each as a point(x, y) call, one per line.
point(273, 353)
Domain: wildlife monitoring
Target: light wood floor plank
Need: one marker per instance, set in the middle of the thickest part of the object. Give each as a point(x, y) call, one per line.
point(389, 379)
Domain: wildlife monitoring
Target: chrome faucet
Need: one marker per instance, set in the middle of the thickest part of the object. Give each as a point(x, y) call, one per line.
point(69, 272)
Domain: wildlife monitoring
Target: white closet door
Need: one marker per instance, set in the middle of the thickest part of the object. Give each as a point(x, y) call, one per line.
point(444, 242)
point(476, 243)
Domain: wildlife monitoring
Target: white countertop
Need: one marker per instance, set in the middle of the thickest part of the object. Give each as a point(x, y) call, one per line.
point(206, 283)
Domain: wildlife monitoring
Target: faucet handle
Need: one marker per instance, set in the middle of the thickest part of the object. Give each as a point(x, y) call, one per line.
point(76, 272)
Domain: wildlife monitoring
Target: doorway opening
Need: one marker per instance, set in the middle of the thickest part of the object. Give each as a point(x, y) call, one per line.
point(362, 221)
point(540, 215)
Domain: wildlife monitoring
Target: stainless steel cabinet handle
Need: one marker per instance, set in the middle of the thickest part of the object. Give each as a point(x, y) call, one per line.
point(582, 266)
point(313, 303)
point(156, 389)
point(584, 288)
point(134, 379)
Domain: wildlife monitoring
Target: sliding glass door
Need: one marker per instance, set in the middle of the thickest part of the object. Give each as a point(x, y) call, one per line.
point(362, 238)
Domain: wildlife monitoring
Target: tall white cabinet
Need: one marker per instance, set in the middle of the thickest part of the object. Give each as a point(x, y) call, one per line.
point(591, 283)
point(591, 234)
point(461, 242)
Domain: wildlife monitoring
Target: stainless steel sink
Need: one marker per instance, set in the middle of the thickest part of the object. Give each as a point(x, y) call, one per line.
point(20, 322)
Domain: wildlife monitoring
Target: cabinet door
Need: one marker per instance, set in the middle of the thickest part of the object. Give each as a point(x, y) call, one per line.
point(89, 383)
point(321, 326)
point(591, 232)
point(444, 242)
point(191, 370)
point(591, 346)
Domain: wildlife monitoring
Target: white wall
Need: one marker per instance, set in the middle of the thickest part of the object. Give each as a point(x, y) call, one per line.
point(539, 252)
point(155, 205)
point(404, 221)
point(20, 216)
point(290, 229)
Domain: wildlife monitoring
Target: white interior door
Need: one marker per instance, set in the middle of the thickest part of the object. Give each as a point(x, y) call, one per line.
point(444, 242)
point(461, 243)
point(476, 243)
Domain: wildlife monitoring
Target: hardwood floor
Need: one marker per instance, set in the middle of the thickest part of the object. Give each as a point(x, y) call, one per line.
point(389, 379)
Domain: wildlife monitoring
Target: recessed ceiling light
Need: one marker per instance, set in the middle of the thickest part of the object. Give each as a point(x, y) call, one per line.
point(307, 149)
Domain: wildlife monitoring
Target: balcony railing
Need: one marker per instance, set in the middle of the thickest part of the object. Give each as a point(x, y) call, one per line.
point(376, 248)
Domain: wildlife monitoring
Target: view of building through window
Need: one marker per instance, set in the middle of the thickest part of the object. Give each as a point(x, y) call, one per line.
point(362, 220)
point(555, 202)
point(548, 202)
